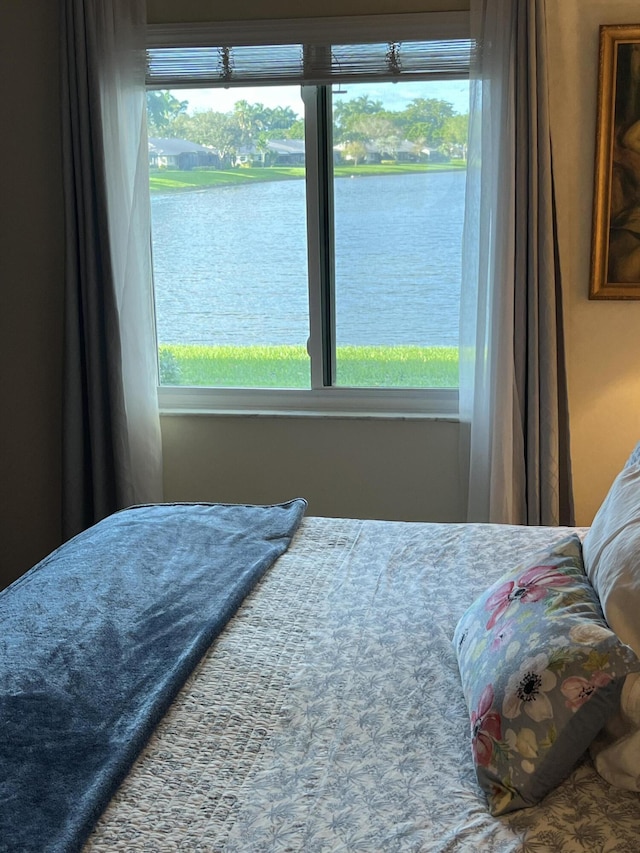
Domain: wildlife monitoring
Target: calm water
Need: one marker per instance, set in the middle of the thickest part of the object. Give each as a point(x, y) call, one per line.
point(230, 263)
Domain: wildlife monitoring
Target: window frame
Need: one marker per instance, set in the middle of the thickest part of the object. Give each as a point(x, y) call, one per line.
point(323, 398)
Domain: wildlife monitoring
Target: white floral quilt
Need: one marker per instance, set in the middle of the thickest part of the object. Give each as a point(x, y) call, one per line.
point(329, 716)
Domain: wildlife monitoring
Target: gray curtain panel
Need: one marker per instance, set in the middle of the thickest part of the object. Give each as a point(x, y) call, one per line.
point(540, 372)
point(93, 404)
point(513, 385)
point(112, 455)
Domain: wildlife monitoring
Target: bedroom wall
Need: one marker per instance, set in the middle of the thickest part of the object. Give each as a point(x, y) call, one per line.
point(31, 285)
point(352, 467)
point(603, 337)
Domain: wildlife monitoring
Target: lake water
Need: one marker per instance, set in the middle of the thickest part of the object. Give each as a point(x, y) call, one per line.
point(230, 263)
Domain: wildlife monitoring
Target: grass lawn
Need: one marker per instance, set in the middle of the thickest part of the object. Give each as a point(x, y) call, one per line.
point(167, 180)
point(288, 366)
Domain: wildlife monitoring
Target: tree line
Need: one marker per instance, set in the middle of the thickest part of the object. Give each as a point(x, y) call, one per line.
point(426, 123)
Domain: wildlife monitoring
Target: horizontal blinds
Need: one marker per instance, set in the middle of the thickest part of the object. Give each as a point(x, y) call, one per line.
point(429, 46)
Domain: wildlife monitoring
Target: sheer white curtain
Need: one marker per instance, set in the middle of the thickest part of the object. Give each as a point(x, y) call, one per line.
point(127, 171)
point(486, 313)
point(513, 394)
point(112, 449)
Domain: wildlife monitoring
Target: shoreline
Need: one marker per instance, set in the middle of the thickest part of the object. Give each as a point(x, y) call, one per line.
point(175, 180)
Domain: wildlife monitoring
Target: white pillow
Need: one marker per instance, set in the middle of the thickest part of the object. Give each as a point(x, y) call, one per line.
point(611, 553)
point(616, 751)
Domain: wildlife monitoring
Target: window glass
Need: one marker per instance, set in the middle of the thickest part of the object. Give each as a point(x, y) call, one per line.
point(229, 192)
point(229, 237)
point(399, 188)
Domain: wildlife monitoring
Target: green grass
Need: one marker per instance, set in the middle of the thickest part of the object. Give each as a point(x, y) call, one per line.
point(168, 180)
point(165, 180)
point(288, 366)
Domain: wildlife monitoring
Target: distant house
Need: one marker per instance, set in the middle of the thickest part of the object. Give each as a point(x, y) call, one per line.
point(180, 154)
point(404, 152)
point(286, 152)
point(247, 156)
point(408, 152)
point(277, 152)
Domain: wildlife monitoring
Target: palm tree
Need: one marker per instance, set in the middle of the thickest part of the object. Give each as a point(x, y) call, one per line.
point(162, 110)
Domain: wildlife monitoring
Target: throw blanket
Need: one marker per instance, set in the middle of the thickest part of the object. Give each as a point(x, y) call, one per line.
point(96, 641)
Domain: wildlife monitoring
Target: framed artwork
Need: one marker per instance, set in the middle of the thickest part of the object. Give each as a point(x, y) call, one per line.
point(615, 254)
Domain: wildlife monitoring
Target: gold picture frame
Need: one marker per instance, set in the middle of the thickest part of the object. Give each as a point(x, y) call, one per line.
point(615, 253)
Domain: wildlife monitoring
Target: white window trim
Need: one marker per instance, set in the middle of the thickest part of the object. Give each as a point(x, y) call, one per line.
point(429, 403)
point(327, 402)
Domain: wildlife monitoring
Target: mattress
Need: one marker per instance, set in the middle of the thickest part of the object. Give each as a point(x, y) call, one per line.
point(329, 714)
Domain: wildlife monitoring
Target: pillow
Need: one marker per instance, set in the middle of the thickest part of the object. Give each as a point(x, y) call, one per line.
point(611, 552)
point(541, 674)
point(616, 750)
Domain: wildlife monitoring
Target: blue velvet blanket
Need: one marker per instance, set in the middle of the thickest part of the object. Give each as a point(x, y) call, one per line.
point(97, 639)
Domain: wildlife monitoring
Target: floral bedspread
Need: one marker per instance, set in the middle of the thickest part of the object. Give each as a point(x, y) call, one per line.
point(329, 716)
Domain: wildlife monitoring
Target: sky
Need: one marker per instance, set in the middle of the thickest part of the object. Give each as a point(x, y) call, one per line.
point(394, 96)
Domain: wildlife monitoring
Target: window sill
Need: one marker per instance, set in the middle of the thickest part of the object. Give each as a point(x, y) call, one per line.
point(432, 404)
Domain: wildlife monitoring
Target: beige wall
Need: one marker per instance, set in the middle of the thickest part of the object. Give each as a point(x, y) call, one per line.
point(361, 468)
point(603, 338)
point(405, 469)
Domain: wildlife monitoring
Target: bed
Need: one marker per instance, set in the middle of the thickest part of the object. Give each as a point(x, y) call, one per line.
point(328, 715)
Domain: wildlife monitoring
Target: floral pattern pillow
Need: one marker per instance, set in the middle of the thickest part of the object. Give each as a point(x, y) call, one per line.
point(541, 673)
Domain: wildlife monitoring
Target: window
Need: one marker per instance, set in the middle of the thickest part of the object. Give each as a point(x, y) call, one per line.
point(315, 262)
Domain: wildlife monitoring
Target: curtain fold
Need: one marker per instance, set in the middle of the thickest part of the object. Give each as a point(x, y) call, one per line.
point(513, 387)
point(111, 431)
